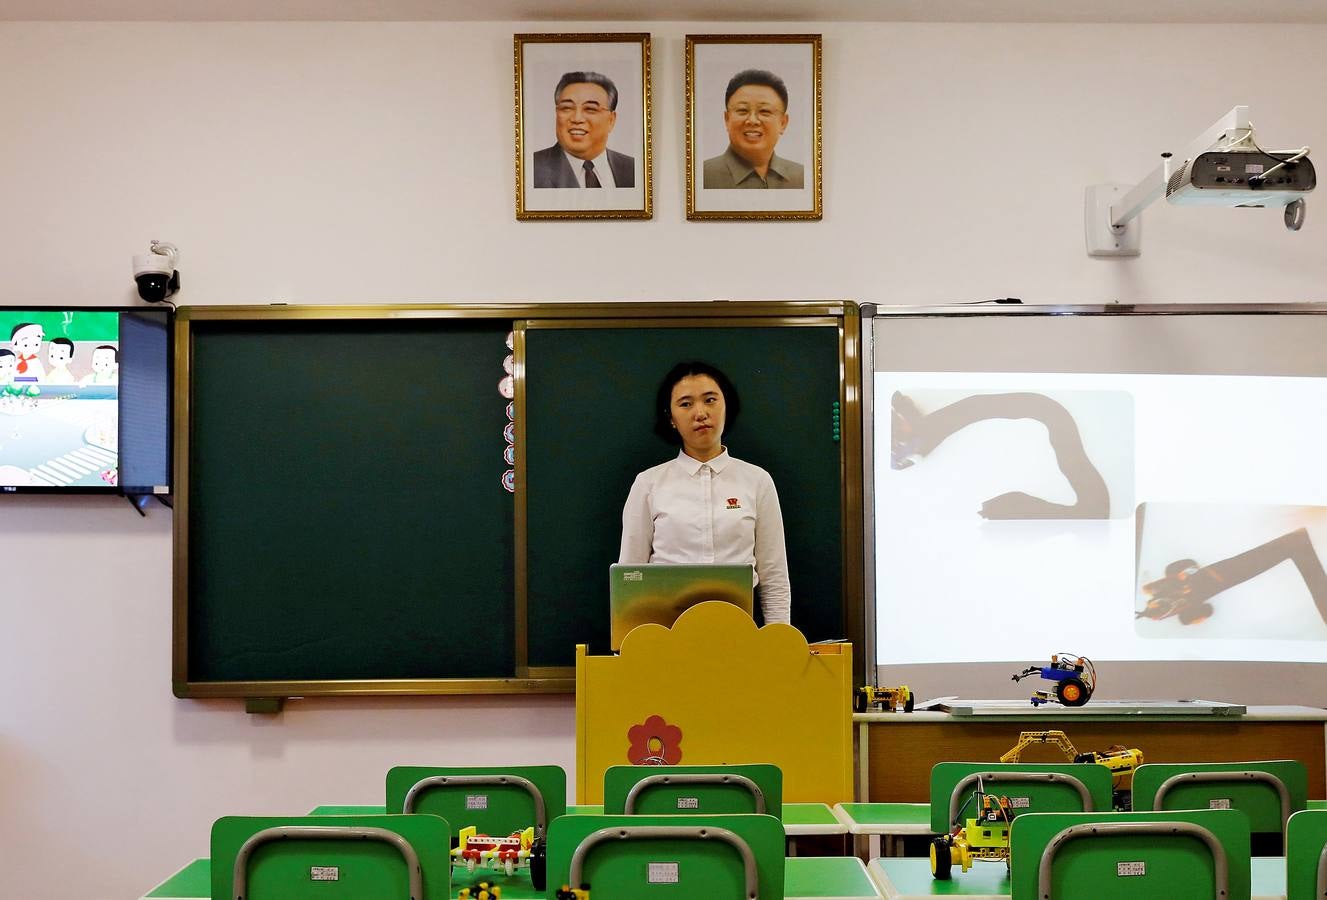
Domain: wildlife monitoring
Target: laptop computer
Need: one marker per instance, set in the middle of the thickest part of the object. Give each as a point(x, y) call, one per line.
point(659, 592)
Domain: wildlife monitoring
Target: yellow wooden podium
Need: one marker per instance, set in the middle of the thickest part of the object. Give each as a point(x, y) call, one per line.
point(715, 690)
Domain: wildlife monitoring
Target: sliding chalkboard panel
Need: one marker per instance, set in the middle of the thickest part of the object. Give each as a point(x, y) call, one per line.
point(588, 418)
point(360, 510)
point(347, 518)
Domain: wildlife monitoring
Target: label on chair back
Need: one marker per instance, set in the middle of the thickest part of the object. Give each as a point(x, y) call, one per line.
point(661, 873)
point(325, 873)
point(1130, 868)
point(688, 803)
point(476, 801)
point(1218, 803)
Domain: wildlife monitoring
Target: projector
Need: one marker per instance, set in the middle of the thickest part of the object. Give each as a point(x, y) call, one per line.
point(1249, 178)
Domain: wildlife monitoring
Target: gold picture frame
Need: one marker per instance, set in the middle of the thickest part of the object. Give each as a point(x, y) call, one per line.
point(775, 80)
point(583, 99)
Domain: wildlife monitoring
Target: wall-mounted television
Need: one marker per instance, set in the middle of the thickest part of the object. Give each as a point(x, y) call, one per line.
point(85, 400)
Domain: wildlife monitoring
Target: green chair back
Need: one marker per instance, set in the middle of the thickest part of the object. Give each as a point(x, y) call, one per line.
point(1267, 791)
point(1030, 787)
point(317, 858)
point(1306, 855)
point(506, 804)
point(1130, 855)
point(693, 790)
point(669, 857)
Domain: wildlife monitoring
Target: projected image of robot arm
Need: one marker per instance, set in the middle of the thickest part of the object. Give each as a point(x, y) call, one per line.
point(1185, 590)
point(916, 434)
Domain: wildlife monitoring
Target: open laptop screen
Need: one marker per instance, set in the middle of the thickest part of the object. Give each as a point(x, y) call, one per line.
point(659, 593)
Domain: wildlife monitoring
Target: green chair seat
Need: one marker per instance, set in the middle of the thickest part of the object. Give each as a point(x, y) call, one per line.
point(320, 858)
point(671, 857)
point(1306, 855)
point(691, 790)
point(1031, 787)
point(1269, 792)
point(1131, 856)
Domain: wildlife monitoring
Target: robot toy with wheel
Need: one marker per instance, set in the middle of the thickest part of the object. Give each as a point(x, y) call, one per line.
point(883, 699)
point(1075, 679)
point(518, 850)
point(985, 836)
point(1122, 761)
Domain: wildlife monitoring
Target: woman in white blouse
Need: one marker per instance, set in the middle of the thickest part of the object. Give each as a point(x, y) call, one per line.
point(704, 506)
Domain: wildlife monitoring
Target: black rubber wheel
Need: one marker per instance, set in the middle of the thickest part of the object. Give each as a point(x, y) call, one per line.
point(539, 866)
point(907, 704)
point(859, 701)
point(1072, 692)
point(941, 860)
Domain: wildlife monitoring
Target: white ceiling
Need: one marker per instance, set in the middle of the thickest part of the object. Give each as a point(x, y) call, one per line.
point(746, 11)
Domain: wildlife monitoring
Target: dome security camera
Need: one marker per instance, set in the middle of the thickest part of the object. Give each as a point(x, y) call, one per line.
point(155, 272)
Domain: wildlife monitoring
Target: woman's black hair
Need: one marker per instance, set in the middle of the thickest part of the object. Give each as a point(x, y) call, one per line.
point(663, 399)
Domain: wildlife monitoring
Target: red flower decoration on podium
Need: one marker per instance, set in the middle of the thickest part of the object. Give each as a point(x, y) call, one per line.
point(654, 743)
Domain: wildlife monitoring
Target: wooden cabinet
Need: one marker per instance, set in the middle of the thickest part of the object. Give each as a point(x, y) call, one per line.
point(895, 751)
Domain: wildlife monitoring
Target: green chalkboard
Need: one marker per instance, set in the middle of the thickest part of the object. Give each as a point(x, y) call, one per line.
point(588, 419)
point(347, 518)
point(361, 509)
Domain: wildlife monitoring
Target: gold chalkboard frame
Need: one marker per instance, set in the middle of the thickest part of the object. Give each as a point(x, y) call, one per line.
point(268, 695)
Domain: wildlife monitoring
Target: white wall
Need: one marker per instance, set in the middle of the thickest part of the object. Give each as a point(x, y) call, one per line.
point(337, 163)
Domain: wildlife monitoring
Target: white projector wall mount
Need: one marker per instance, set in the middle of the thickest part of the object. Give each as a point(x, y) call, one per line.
point(1223, 166)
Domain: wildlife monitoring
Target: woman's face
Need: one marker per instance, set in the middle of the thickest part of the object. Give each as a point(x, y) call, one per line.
point(697, 409)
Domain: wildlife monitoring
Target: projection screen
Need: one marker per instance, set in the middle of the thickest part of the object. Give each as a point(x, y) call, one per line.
point(1141, 483)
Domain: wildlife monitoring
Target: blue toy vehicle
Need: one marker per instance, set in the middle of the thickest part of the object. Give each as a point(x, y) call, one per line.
point(1075, 679)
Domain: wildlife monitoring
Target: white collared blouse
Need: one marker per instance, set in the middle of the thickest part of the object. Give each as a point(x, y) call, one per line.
point(721, 511)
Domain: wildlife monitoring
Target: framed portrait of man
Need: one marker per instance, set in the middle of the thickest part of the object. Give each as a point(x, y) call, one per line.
point(583, 126)
point(753, 126)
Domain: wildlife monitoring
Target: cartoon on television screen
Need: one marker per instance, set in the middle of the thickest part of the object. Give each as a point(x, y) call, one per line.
point(59, 393)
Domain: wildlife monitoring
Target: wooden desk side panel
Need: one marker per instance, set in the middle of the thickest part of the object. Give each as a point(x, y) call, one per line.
point(901, 756)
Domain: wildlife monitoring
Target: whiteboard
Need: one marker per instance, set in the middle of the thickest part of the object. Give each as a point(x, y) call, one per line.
point(1133, 484)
